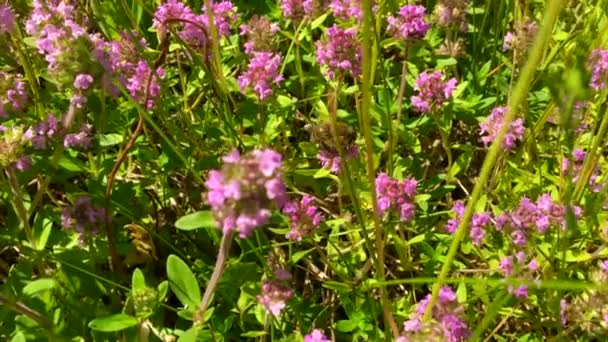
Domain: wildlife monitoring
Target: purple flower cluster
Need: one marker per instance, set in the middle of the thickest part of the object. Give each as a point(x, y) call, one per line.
point(316, 336)
point(193, 28)
point(409, 24)
point(260, 33)
point(298, 9)
point(304, 218)
point(346, 9)
point(522, 37)
point(122, 60)
point(340, 52)
point(331, 160)
point(43, 133)
point(262, 73)
point(82, 139)
point(143, 84)
point(84, 216)
point(516, 266)
point(7, 19)
point(82, 82)
point(276, 293)
point(241, 194)
point(13, 94)
point(452, 13)
point(57, 30)
point(432, 90)
point(577, 161)
point(531, 217)
point(479, 223)
point(396, 195)
point(491, 126)
point(447, 324)
point(598, 61)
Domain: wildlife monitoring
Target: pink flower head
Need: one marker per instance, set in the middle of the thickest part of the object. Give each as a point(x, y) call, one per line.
point(340, 52)
point(452, 14)
point(598, 62)
point(84, 216)
point(578, 159)
point(304, 218)
point(396, 195)
point(432, 90)
point(260, 33)
point(224, 16)
point(262, 73)
point(13, 94)
point(274, 297)
point(409, 24)
point(82, 139)
point(316, 336)
point(493, 123)
point(346, 9)
point(83, 81)
point(331, 161)
point(447, 319)
point(242, 193)
point(7, 19)
point(479, 223)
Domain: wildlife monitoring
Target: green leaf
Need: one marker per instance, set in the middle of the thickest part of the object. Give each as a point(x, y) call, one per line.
point(113, 323)
point(299, 255)
point(138, 281)
point(162, 289)
point(42, 231)
point(461, 293)
point(254, 333)
point(346, 325)
point(109, 139)
point(199, 219)
point(72, 164)
point(38, 286)
point(189, 335)
point(183, 282)
point(337, 286)
point(317, 22)
point(416, 239)
point(285, 101)
point(19, 337)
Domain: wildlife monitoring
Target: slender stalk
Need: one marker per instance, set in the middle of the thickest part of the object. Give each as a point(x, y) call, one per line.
point(213, 35)
point(215, 277)
point(21, 211)
point(27, 311)
point(365, 108)
point(394, 135)
point(590, 160)
point(345, 170)
point(520, 92)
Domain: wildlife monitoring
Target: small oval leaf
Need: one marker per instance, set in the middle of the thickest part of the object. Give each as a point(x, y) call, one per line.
point(199, 219)
point(38, 286)
point(113, 323)
point(183, 282)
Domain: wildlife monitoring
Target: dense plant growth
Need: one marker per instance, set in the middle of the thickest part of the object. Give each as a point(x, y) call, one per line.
point(317, 170)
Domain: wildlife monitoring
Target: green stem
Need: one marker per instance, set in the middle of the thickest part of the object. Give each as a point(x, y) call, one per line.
point(213, 35)
point(591, 159)
point(29, 312)
point(222, 254)
point(394, 136)
point(520, 92)
point(20, 208)
point(366, 122)
point(30, 75)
